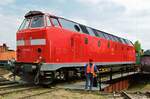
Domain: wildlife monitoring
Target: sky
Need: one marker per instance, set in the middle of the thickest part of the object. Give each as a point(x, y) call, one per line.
point(129, 19)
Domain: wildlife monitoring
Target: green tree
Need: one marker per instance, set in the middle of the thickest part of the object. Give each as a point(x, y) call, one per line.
point(137, 46)
point(138, 49)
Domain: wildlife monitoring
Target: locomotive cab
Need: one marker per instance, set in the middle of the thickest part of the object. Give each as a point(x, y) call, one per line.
point(32, 45)
point(31, 38)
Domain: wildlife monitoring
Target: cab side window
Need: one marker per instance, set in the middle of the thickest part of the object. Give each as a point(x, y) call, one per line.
point(100, 33)
point(55, 22)
point(84, 29)
point(48, 21)
point(91, 32)
point(107, 36)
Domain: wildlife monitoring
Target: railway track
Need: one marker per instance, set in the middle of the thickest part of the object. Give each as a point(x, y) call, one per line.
point(126, 95)
point(23, 91)
point(132, 95)
point(8, 82)
point(15, 85)
point(8, 87)
point(38, 93)
point(4, 81)
point(15, 89)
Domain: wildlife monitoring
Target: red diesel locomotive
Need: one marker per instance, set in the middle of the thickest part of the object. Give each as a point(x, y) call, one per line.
point(62, 47)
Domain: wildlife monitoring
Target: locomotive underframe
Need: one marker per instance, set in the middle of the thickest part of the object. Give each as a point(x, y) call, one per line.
point(47, 73)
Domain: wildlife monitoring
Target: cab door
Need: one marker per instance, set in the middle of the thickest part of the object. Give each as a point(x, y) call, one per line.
point(77, 47)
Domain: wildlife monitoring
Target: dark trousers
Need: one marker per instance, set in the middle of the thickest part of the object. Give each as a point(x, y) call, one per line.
point(89, 81)
point(95, 82)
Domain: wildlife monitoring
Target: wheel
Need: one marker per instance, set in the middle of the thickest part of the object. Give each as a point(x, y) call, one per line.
point(47, 78)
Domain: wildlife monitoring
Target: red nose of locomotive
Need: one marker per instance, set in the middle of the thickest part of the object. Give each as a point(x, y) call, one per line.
point(31, 41)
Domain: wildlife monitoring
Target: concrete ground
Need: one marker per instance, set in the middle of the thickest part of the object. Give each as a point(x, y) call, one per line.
point(79, 86)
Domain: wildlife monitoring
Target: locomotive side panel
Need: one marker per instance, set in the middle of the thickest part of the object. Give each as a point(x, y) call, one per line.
point(68, 46)
point(62, 49)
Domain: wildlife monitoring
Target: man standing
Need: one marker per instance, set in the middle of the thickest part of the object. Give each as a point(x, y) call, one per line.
point(90, 73)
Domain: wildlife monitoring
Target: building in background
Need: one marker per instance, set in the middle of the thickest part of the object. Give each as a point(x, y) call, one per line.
point(6, 54)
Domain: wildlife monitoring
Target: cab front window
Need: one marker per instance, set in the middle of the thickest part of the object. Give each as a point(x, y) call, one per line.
point(32, 22)
point(25, 24)
point(37, 21)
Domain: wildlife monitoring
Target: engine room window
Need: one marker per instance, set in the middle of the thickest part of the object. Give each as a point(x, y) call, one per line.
point(96, 34)
point(116, 38)
point(83, 28)
point(91, 32)
point(77, 28)
point(131, 43)
point(128, 42)
point(125, 41)
point(69, 25)
point(111, 37)
point(100, 33)
point(37, 21)
point(122, 41)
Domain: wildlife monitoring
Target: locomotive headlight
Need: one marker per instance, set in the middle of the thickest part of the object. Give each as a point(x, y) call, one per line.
point(40, 57)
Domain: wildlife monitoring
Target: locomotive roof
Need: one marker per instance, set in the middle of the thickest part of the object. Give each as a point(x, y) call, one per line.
point(31, 13)
point(89, 27)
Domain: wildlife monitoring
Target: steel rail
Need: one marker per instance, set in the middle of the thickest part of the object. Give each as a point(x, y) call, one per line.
point(12, 86)
point(2, 93)
point(37, 94)
point(126, 95)
point(7, 83)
